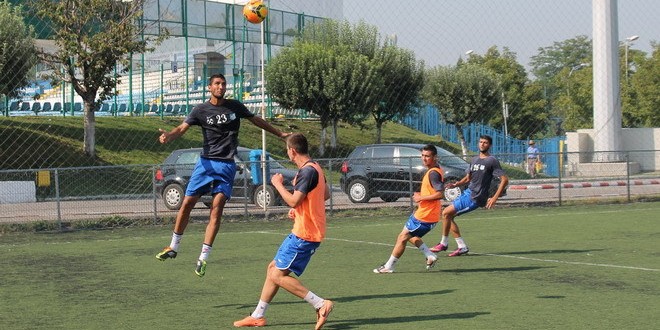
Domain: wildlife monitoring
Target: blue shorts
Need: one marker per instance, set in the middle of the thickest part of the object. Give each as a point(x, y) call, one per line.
point(211, 175)
point(464, 203)
point(294, 254)
point(418, 228)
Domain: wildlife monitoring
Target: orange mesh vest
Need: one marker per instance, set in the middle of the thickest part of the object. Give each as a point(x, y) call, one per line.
point(429, 211)
point(310, 213)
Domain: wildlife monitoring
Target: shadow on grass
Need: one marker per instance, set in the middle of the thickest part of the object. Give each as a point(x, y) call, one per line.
point(546, 252)
point(491, 269)
point(351, 298)
point(358, 323)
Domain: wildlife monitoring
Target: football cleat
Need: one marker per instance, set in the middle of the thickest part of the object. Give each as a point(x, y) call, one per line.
point(459, 252)
point(383, 270)
point(430, 262)
point(200, 270)
point(250, 321)
point(323, 313)
point(438, 248)
point(167, 253)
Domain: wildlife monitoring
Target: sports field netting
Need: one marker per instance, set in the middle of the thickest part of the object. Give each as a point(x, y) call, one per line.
point(536, 268)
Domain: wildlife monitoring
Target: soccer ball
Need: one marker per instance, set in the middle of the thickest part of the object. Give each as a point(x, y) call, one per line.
point(255, 11)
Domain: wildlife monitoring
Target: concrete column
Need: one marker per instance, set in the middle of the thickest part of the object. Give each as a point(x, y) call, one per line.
point(607, 99)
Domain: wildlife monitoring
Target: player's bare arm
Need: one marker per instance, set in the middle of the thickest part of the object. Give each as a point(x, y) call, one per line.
point(261, 123)
point(175, 133)
point(504, 180)
point(291, 199)
point(460, 182)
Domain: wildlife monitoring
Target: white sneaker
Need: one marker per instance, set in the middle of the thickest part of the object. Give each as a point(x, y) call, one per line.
point(430, 261)
point(383, 270)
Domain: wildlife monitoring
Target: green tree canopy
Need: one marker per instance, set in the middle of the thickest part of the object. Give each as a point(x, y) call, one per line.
point(17, 51)
point(463, 95)
point(92, 37)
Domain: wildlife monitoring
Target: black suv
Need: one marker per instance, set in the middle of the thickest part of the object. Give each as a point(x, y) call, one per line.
point(171, 178)
point(395, 170)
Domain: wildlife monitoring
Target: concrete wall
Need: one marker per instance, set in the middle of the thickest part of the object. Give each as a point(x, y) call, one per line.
point(641, 144)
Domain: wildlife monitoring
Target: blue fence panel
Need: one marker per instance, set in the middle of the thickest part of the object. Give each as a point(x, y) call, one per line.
point(509, 149)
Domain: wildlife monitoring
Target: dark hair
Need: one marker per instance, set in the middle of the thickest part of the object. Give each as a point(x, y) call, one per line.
point(298, 142)
point(431, 148)
point(487, 137)
point(217, 75)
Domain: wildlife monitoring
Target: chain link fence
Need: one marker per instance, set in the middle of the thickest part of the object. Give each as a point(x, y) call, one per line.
point(544, 96)
point(67, 195)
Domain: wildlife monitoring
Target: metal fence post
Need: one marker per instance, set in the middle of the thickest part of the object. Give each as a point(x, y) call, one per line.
point(153, 190)
point(627, 154)
point(560, 170)
point(329, 179)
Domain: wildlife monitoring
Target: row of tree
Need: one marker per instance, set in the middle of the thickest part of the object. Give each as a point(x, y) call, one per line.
point(341, 72)
point(344, 72)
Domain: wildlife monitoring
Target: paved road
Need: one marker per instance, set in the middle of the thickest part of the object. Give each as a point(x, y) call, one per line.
point(148, 208)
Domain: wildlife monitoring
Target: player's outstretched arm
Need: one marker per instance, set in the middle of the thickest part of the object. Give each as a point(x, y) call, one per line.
point(176, 132)
point(504, 181)
point(263, 124)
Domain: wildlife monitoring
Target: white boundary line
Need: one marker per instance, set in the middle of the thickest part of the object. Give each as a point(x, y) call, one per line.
point(490, 254)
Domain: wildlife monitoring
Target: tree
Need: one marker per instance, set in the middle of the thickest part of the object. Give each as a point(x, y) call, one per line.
point(17, 51)
point(342, 72)
point(463, 94)
point(554, 63)
point(400, 81)
point(329, 82)
point(526, 107)
point(92, 38)
point(645, 82)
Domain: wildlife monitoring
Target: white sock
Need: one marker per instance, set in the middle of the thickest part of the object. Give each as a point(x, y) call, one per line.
point(425, 250)
point(445, 240)
point(460, 242)
point(314, 300)
point(176, 240)
point(206, 249)
point(391, 262)
point(260, 311)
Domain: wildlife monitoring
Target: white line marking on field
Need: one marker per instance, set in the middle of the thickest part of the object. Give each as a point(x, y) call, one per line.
point(567, 262)
point(488, 254)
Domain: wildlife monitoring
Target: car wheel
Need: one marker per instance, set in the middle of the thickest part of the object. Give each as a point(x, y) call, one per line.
point(453, 193)
point(173, 196)
point(389, 198)
point(358, 191)
point(270, 197)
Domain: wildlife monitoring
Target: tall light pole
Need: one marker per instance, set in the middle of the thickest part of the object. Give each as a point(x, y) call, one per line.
point(626, 44)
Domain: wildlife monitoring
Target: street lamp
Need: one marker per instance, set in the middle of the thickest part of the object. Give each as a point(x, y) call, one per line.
point(574, 68)
point(626, 44)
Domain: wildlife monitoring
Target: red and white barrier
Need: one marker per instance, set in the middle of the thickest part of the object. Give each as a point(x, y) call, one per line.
point(569, 185)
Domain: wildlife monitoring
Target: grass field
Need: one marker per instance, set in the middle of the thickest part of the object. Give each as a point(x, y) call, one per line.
point(582, 267)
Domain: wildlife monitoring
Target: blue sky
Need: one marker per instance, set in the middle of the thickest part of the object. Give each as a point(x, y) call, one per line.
point(441, 31)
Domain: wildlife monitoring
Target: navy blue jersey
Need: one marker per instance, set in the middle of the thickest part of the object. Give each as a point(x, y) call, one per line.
point(220, 125)
point(481, 172)
point(306, 179)
point(436, 181)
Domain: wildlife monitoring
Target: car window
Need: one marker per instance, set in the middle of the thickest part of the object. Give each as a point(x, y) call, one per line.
point(382, 155)
point(409, 156)
point(188, 158)
point(447, 158)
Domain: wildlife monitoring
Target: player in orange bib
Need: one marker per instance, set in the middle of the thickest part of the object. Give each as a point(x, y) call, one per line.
point(307, 203)
point(427, 215)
